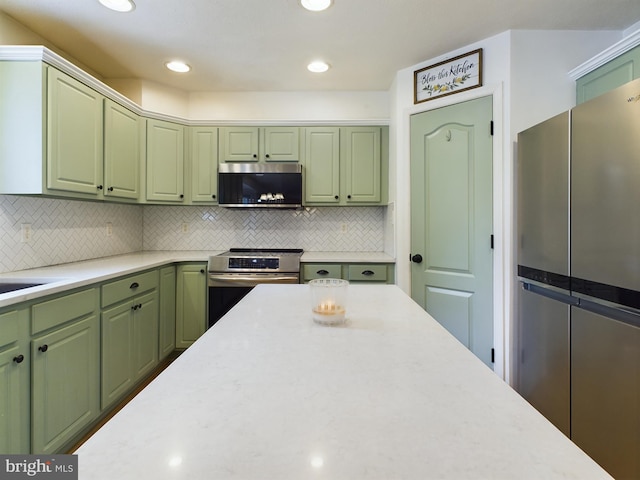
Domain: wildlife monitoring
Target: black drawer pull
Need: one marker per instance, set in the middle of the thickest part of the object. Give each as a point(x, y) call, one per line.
point(43, 348)
point(134, 307)
point(368, 273)
point(322, 272)
point(202, 270)
point(18, 358)
point(134, 285)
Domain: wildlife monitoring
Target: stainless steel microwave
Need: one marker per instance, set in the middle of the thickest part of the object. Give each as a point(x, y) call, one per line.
point(262, 185)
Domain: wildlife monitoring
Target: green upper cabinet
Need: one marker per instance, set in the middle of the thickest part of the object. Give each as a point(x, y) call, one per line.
point(203, 155)
point(322, 165)
point(346, 166)
point(74, 140)
point(121, 151)
point(259, 144)
point(280, 144)
point(609, 76)
point(362, 167)
point(165, 161)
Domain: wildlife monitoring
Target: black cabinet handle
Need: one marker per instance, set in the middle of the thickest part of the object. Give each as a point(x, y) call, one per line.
point(134, 285)
point(134, 307)
point(99, 187)
point(255, 155)
point(213, 196)
point(322, 272)
point(349, 197)
point(139, 305)
point(110, 189)
point(43, 348)
point(368, 273)
point(181, 195)
point(267, 155)
point(18, 358)
point(202, 270)
point(336, 197)
point(417, 258)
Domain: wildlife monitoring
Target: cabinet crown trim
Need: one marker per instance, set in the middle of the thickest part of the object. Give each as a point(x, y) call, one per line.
point(607, 55)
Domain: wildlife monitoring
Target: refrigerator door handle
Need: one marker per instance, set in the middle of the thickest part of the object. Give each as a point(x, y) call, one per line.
point(549, 291)
point(606, 309)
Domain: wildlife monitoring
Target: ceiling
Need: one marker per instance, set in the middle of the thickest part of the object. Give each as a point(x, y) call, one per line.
point(265, 45)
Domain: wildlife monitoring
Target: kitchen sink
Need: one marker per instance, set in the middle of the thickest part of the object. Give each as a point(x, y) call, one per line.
point(6, 287)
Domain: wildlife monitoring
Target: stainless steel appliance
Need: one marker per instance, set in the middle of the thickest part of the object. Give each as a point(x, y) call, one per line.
point(543, 373)
point(234, 273)
point(264, 185)
point(579, 267)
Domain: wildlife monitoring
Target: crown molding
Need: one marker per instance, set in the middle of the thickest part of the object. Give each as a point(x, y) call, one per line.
point(607, 55)
point(33, 53)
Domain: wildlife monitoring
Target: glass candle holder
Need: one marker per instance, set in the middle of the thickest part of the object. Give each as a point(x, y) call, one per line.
point(328, 300)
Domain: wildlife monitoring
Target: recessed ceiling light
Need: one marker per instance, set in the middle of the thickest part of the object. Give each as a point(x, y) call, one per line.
point(316, 5)
point(176, 66)
point(119, 5)
point(318, 66)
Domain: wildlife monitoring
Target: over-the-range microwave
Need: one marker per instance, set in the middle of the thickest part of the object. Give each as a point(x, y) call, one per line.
point(262, 185)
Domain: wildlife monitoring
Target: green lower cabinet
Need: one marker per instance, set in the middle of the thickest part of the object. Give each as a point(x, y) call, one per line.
point(167, 313)
point(354, 272)
point(65, 383)
point(15, 378)
point(191, 303)
point(129, 345)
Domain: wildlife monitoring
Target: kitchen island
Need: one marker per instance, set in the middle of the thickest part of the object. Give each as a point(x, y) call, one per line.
point(268, 394)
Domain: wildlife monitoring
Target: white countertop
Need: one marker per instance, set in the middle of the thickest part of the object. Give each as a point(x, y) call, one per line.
point(59, 278)
point(268, 394)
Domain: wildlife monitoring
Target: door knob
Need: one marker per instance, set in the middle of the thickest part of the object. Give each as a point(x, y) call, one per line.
point(417, 258)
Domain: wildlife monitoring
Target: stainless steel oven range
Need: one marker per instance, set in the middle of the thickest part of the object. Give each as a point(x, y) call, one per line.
point(234, 273)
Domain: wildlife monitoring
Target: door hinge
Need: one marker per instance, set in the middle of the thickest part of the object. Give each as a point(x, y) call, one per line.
point(491, 128)
point(493, 355)
point(491, 241)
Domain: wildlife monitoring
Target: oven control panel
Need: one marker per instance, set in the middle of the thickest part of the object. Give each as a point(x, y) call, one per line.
point(254, 263)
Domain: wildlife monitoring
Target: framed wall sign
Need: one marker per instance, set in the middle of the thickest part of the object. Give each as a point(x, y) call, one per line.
point(448, 77)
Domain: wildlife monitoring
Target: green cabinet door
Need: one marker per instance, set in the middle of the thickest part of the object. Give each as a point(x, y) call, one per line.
point(204, 164)
point(65, 383)
point(117, 351)
point(14, 382)
point(74, 135)
point(191, 303)
point(145, 334)
point(609, 76)
point(280, 144)
point(239, 144)
point(121, 151)
point(167, 312)
point(165, 161)
point(361, 158)
point(322, 165)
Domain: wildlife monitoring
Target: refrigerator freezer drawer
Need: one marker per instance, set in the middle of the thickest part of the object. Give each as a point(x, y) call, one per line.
point(543, 360)
point(605, 391)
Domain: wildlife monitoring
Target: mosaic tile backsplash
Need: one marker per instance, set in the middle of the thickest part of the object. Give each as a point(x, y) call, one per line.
point(313, 229)
point(63, 231)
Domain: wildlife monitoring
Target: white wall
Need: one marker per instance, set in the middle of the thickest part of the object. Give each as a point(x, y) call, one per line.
point(291, 107)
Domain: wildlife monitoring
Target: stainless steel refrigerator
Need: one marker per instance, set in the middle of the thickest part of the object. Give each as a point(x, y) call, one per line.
point(543, 373)
point(579, 267)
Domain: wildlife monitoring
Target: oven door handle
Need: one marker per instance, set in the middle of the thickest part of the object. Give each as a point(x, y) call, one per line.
point(250, 280)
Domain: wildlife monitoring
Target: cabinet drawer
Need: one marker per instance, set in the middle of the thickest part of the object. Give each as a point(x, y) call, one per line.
point(62, 309)
point(120, 290)
point(367, 273)
point(316, 270)
point(9, 330)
